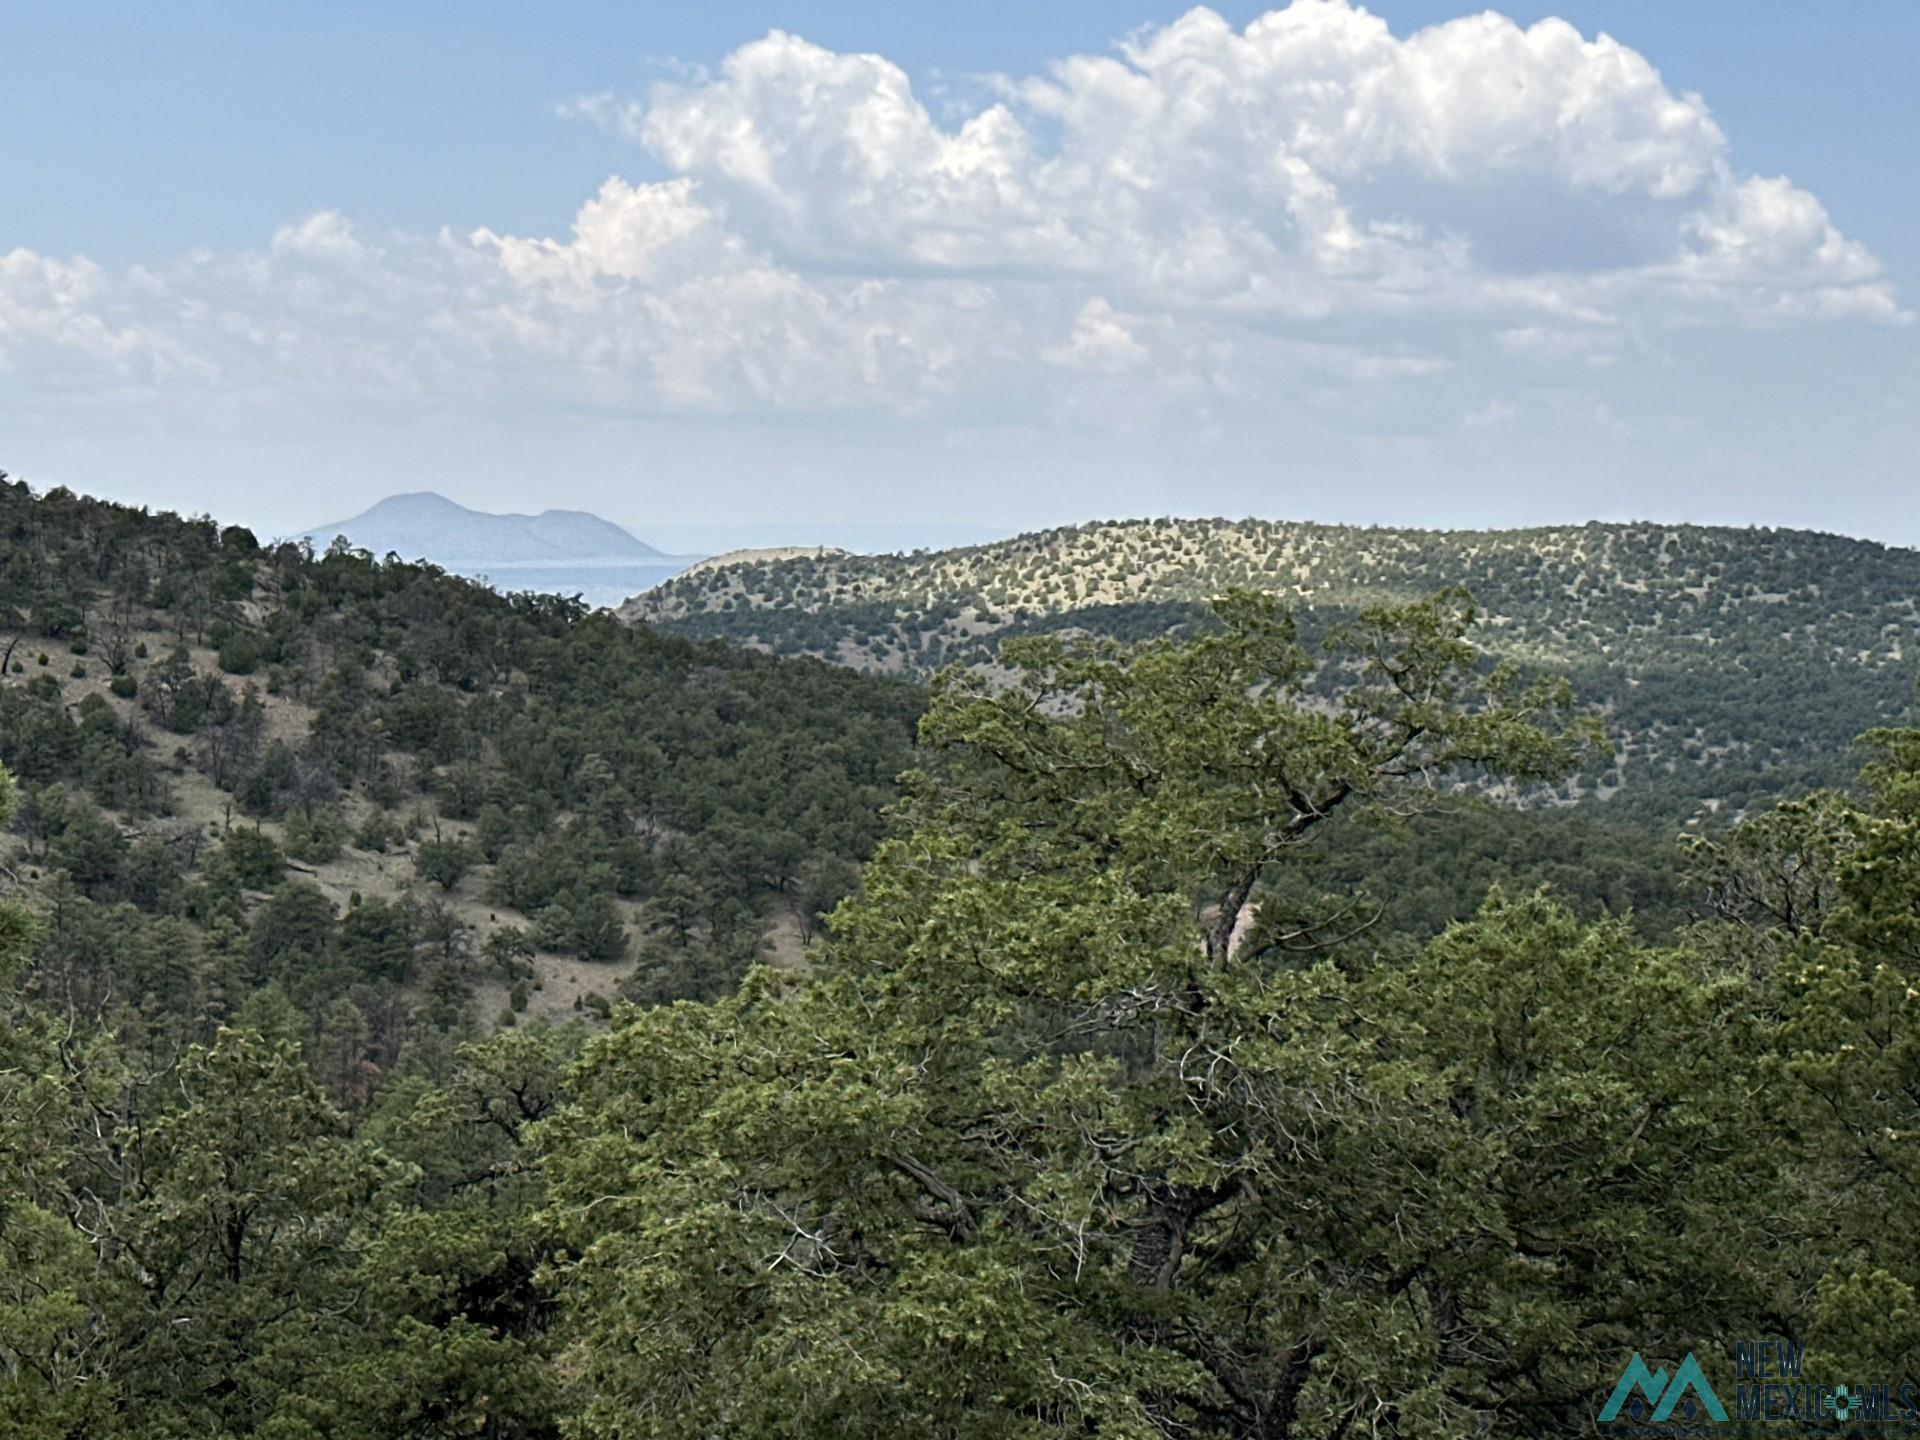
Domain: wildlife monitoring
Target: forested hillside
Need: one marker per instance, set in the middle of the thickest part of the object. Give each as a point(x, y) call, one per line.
point(1732, 666)
point(397, 800)
point(1123, 1098)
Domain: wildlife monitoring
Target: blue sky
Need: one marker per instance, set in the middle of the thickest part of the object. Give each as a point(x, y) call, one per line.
point(137, 127)
point(133, 127)
point(138, 136)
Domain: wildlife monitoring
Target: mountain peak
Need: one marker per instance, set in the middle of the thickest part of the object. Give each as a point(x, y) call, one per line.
point(422, 524)
point(414, 505)
point(422, 500)
point(564, 552)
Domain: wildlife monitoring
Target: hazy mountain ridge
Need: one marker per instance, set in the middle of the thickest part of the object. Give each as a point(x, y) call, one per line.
point(423, 524)
point(1732, 663)
point(555, 551)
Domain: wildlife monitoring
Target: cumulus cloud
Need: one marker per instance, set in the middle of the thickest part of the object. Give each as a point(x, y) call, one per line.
point(1183, 228)
point(1308, 165)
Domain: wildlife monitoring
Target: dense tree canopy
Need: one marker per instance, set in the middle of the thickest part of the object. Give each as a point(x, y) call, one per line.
point(1063, 1137)
point(1197, 1056)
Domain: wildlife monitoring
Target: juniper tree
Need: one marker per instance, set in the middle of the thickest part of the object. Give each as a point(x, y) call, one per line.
point(1068, 1134)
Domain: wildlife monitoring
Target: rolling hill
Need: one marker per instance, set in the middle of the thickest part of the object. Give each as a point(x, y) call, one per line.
point(609, 805)
point(324, 876)
point(1732, 665)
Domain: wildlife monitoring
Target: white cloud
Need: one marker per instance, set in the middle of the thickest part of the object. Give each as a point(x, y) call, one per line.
point(1100, 341)
point(1493, 415)
point(1181, 232)
point(1310, 165)
point(323, 237)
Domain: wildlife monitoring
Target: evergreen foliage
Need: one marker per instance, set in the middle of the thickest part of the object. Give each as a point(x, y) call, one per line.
point(1190, 1059)
point(1734, 667)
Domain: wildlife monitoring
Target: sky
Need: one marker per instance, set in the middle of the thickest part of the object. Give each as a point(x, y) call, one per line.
point(779, 272)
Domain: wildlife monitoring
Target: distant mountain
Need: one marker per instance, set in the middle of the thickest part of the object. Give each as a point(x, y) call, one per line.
point(424, 525)
point(560, 551)
point(1730, 665)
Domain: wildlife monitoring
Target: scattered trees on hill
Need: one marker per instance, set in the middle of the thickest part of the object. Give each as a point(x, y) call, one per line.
point(1132, 1092)
point(594, 774)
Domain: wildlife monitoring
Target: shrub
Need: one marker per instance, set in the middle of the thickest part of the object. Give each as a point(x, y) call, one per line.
point(316, 838)
point(511, 950)
point(376, 832)
point(252, 858)
point(240, 653)
point(444, 862)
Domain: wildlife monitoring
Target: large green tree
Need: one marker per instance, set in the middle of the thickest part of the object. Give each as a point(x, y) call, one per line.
point(1083, 1126)
point(1819, 901)
point(52, 1355)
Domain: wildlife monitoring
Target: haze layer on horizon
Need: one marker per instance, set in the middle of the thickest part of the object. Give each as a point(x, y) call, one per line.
point(804, 265)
